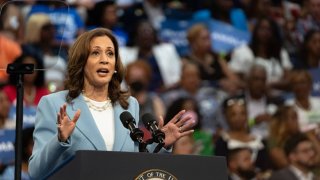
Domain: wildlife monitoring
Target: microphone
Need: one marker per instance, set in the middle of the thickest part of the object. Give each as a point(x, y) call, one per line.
point(152, 125)
point(129, 122)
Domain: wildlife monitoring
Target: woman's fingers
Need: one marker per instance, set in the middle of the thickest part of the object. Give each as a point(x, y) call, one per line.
point(76, 116)
point(160, 123)
point(178, 116)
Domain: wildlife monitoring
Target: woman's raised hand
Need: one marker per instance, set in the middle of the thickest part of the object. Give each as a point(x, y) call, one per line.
point(65, 125)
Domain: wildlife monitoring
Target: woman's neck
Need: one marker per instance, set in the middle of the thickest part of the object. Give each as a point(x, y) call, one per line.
point(96, 94)
point(200, 55)
point(262, 51)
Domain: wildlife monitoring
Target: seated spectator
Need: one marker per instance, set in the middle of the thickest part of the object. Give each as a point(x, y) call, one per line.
point(27, 145)
point(138, 78)
point(213, 68)
point(202, 140)
point(235, 112)
point(39, 39)
point(224, 10)
point(185, 145)
point(104, 14)
point(162, 57)
point(301, 156)
point(283, 125)
point(260, 104)
point(265, 49)
point(34, 89)
point(309, 53)
point(306, 105)
point(310, 19)
point(208, 99)
point(240, 164)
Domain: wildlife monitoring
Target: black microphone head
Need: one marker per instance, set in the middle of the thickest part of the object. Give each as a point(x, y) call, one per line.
point(126, 118)
point(149, 119)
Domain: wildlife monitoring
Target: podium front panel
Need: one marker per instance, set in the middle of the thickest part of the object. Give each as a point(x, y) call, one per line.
point(142, 166)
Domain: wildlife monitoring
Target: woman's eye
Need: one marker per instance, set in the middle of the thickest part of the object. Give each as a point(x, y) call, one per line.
point(95, 53)
point(110, 53)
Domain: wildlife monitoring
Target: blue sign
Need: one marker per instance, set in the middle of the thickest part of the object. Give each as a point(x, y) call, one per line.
point(174, 31)
point(7, 139)
point(224, 37)
point(315, 73)
point(29, 115)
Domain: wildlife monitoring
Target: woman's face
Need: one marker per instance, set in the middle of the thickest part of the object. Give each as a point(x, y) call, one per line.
point(264, 32)
point(100, 65)
point(292, 121)
point(203, 41)
point(314, 44)
point(237, 116)
point(30, 78)
point(301, 86)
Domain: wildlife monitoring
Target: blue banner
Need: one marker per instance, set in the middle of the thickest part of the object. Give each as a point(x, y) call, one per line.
point(29, 115)
point(7, 139)
point(224, 37)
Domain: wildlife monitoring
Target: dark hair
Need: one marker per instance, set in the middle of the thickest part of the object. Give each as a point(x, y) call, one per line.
point(275, 44)
point(96, 13)
point(304, 51)
point(232, 153)
point(78, 55)
point(176, 106)
point(293, 141)
point(232, 100)
point(39, 81)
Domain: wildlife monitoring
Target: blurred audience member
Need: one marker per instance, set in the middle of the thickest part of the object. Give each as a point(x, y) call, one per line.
point(260, 105)
point(66, 20)
point(265, 49)
point(34, 88)
point(138, 78)
point(283, 125)
point(185, 145)
point(309, 53)
point(39, 39)
point(208, 99)
point(104, 14)
point(201, 140)
point(306, 105)
point(238, 136)
point(301, 155)
point(162, 57)
point(213, 68)
point(27, 145)
point(225, 11)
point(310, 19)
point(240, 164)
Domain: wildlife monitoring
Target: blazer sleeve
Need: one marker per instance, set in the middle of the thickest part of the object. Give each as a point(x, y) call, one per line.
point(47, 151)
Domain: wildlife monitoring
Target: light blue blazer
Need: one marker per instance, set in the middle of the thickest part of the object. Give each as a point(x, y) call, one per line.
point(49, 154)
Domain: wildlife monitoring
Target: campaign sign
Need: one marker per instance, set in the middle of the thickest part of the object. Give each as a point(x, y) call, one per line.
point(7, 138)
point(225, 37)
point(315, 73)
point(174, 31)
point(29, 115)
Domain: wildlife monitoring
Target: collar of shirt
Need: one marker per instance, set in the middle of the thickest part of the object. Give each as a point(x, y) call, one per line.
point(300, 175)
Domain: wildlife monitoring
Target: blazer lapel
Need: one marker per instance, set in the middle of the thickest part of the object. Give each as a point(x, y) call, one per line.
point(85, 123)
point(121, 133)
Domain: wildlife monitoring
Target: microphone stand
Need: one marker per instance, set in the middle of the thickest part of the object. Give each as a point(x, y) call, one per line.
point(19, 70)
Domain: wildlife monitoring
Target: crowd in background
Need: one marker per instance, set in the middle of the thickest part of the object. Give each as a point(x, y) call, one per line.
point(258, 105)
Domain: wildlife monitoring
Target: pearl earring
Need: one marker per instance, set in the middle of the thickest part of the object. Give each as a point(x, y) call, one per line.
point(115, 72)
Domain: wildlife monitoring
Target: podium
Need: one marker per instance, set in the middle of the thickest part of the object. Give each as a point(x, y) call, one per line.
point(141, 166)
